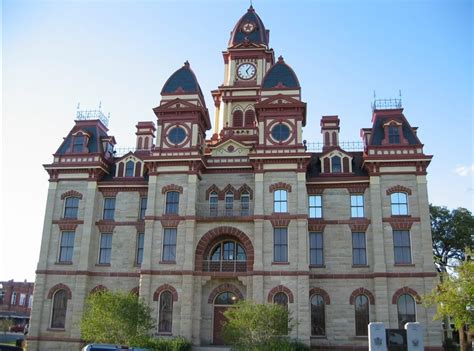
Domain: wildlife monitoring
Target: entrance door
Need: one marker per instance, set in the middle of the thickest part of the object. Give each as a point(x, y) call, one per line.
point(219, 320)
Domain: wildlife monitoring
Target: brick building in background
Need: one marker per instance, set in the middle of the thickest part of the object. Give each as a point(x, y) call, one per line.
point(339, 235)
point(15, 300)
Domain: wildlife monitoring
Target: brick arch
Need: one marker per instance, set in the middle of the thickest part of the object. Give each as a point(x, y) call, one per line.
point(172, 187)
point(405, 290)
point(322, 292)
point(279, 185)
point(280, 288)
point(60, 286)
point(71, 193)
point(398, 189)
point(212, 188)
point(362, 291)
point(224, 288)
point(97, 289)
point(165, 287)
point(243, 188)
point(135, 291)
point(213, 235)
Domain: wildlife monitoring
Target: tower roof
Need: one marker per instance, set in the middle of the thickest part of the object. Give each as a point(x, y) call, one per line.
point(280, 75)
point(249, 28)
point(183, 81)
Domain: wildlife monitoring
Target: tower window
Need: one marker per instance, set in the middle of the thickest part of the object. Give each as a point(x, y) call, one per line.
point(105, 251)
point(129, 168)
point(280, 132)
point(177, 135)
point(238, 118)
point(249, 118)
point(336, 164)
point(140, 246)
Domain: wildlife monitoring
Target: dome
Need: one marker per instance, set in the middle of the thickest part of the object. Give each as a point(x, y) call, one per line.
point(280, 75)
point(249, 28)
point(183, 81)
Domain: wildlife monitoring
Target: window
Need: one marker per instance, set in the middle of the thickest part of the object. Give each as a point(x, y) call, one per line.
point(30, 301)
point(165, 312)
point(169, 245)
point(402, 247)
point(129, 168)
point(143, 204)
point(58, 316)
point(359, 257)
point(318, 320)
point(22, 299)
point(315, 206)
point(280, 244)
point(399, 204)
point(357, 206)
point(70, 207)
point(316, 257)
point(109, 208)
point(78, 143)
point(336, 164)
point(280, 132)
point(249, 118)
point(172, 202)
point(281, 299)
point(361, 315)
point(226, 298)
point(280, 201)
point(140, 245)
point(177, 135)
point(105, 250)
point(245, 204)
point(406, 310)
point(229, 203)
point(213, 204)
point(393, 135)
point(228, 251)
point(66, 248)
point(13, 298)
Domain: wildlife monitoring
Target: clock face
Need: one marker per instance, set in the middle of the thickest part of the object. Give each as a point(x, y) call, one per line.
point(248, 27)
point(246, 71)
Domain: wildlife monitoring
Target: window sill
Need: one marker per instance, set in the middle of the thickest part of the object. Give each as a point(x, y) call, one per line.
point(319, 337)
point(400, 216)
point(360, 266)
point(56, 329)
point(280, 263)
point(404, 265)
point(167, 262)
point(102, 264)
point(317, 266)
point(65, 263)
point(164, 334)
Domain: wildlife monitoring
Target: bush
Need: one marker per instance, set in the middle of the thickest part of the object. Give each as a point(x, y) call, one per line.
point(172, 344)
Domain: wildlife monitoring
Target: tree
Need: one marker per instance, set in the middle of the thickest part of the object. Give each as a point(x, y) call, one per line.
point(116, 318)
point(451, 233)
point(5, 325)
point(454, 298)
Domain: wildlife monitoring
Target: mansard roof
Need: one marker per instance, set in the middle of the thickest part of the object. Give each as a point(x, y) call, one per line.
point(93, 129)
point(280, 75)
point(183, 81)
point(314, 167)
point(259, 35)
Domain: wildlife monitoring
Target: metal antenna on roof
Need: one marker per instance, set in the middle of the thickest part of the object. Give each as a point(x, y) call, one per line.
point(374, 95)
point(400, 93)
point(100, 105)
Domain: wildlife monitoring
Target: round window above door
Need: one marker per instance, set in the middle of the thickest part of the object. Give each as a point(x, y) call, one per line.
point(280, 132)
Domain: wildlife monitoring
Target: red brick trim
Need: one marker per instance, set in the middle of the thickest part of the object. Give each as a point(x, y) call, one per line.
point(280, 222)
point(71, 193)
point(172, 187)
point(57, 287)
point(212, 188)
point(362, 291)
point(165, 287)
point(169, 223)
point(98, 288)
point(322, 292)
point(106, 226)
point(135, 291)
point(405, 290)
point(213, 235)
point(68, 224)
point(359, 227)
point(140, 226)
point(316, 227)
point(279, 185)
point(243, 188)
point(401, 222)
point(109, 192)
point(357, 189)
point(277, 289)
point(223, 288)
point(314, 191)
point(398, 189)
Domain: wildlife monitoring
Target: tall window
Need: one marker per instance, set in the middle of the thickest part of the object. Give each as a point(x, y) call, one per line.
point(66, 248)
point(228, 251)
point(22, 299)
point(13, 298)
point(318, 320)
point(280, 244)
point(58, 316)
point(172, 202)
point(359, 256)
point(169, 245)
point(70, 207)
point(238, 118)
point(213, 204)
point(105, 251)
point(165, 319)
point(402, 247)
point(129, 168)
point(406, 310)
point(316, 256)
point(109, 208)
point(357, 206)
point(336, 164)
point(361, 315)
point(393, 135)
point(143, 205)
point(140, 245)
point(229, 203)
point(78, 143)
point(315, 206)
point(399, 204)
point(245, 204)
point(280, 201)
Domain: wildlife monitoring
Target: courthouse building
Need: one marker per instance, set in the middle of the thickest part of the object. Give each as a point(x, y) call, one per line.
point(340, 236)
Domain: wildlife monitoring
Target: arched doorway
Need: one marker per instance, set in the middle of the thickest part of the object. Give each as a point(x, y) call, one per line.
point(222, 303)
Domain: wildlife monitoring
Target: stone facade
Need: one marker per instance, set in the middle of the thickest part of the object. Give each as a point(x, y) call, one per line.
point(251, 181)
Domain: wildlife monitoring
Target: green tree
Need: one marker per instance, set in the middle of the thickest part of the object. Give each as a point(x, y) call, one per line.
point(5, 325)
point(451, 231)
point(116, 318)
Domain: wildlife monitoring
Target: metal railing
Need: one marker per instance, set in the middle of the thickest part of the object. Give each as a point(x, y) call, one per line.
point(345, 145)
point(219, 212)
point(386, 104)
point(83, 115)
point(225, 266)
point(119, 152)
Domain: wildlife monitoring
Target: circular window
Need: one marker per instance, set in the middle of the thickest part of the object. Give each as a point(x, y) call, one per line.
point(280, 132)
point(177, 135)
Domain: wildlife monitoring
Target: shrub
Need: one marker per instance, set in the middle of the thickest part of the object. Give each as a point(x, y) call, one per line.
point(172, 344)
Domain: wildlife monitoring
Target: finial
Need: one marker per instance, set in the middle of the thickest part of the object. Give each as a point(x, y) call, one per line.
point(251, 6)
point(280, 59)
point(400, 93)
point(374, 95)
point(186, 64)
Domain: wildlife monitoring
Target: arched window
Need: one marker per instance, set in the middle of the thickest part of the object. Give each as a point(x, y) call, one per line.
point(165, 317)
point(245, 203)
point(70, 207)
point(58, 316)
point(129, 168)
point(225, 298)
point(213, 204)
point(249, 118)
point(399, 204)
point(406, 310)
point(172, 202)
point(227, 256)
point(229, 203)
point(318, 320)
point(281, 298)
point(280, 201)
point(336, 164)
point(238, 118)
point(361, 315)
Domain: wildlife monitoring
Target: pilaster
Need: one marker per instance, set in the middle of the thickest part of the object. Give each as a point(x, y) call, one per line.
point(86, 256)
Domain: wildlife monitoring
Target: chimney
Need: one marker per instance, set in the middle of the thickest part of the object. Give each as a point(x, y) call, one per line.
point(330, 131)
point(145, 135)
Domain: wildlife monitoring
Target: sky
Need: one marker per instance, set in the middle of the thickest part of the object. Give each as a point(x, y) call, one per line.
point(56, 54)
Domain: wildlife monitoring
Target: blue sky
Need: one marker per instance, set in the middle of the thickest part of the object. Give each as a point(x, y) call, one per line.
point(58, 53)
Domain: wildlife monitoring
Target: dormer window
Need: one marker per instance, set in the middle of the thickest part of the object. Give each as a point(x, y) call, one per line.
point(394, 135)
point(129, 168)
point(78, 143)
point(336, 164)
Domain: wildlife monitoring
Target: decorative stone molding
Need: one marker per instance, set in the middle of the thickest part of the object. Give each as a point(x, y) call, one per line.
point(165, 287)
point(322, 292)
point(315, 191)
point(316, 227)
point(98, 289)
point(362, 291)
point(109, 192)
point(169, 223)
point(57, 287)
point(71, 193)
point(357, 189)
point(106, 226)
point(398, 189)
point(280, 288)
point(280, 222)
point(224, 288)
point(359, 226)
point(172, 187)
point(405, 290)
point(279, 185)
